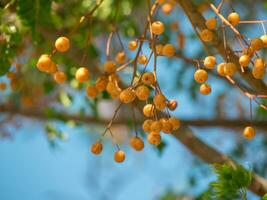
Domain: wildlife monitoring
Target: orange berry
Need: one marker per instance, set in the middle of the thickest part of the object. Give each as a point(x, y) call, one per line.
point(172, 105)
point(137, 143)
point(53, 68)
point(2, 86)
point(148, 110)
point(111, 87)
point(156, 126)
point(120, 57)
point(258, 73)
point(157, 27)
point(249, 132)
point(220, 69)
point(167, 8)
point(159, 48)
point(101, 83)
point(154, 138)
point(233, 18)
point(201, 76)
point(97, 148)
point(60, 77)
point(244, 60)
point(167, 127)
point(205, 89)
point(206, 35)
point(142, 92)
point(119, 156)
point(175, 123)
point(168, 50)
point(211, 23)
point(148, 78)
point(127, 96)
point(159, 101)
point(210, 62)
point(110, 66)
point(142, 59)
point(230, 69)
point(147, 125)
point(91, 91)
point(62, 44)
point(82, 74)
point(44, 63)
point(132, 45)
point(259, 63)
point(264, 40)
point(256, 44)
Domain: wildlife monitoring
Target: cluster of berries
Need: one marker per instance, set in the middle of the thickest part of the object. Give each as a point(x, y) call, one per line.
point(13, 77)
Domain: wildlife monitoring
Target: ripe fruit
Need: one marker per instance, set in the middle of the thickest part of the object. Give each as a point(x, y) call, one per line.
point(168, 50)
point(220, 69)
point(159, 101)
point(120, 57)
point(258, 73)
point(148, 78)
point(157, 27)
point(154, 138)
point(97, 148)
point(206, 35)
point(53, 68)
point(137, 143)
point(44, 63)
point(259, 63)
point(60, 77)
point(82, 75)
point(201, 76)
point(148, 110)
point(175, 123)
point(233, 18)
point(210, 62)
point(244, 60)
point(249, 132)
point(205, 89)
point(91, 91)
point(264, 40)
point(248, 51)
point(132, 45)
point(101, 83)
point(156, 126)
point(167, 127)
point(142, 92)
point(62, 44)
point(110, 66)
point(119, 156)
point(211, 23)
point(159, 48)
point(167, 8)
point(147, 125)
point(2, 86)
point(172, 105)
point(142, 59)
point(256, 44)
point(230, 69)
point(127, 96)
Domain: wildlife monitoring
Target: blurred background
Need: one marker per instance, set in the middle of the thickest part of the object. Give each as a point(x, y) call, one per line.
point(44, 139)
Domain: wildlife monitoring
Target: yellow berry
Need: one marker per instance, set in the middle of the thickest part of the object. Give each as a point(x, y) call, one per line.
point(258, 73)
point(168, 50)
point(91, 91)
point(167, 8)
point(154, 138)
point(44, 63)
point(147, 125)
point(244, 60)
point(205, 89)
point(101, 83)
point(233, 18)
point(148, 78)
point(206, 35)
point(110, 66)
point(53, 68)
point(259, 63)
point(172, 105)
point(82, 74)
point(256, 44)
point(175, 123)
point(264, 40)
point(248, 51)
point(220, 69)
point(142, 92)
point(159, 101)
point(137, 143)
point(127, 96)
point(201, 76)
point(62, 44)
point(157, 28)
point(132, 45)
point(142, 59)
point(230, 69)
point(2, 86)
point(167, 127)
point(159, 48)
point(60, 77)
point(97, 148)
point(148, 110)
point(120, 57)
point(156, 126)
point(211, 23)
point(119, 156)
point(209, 62)
point(249, 132)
